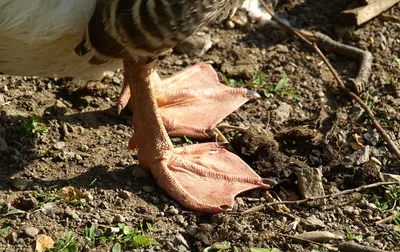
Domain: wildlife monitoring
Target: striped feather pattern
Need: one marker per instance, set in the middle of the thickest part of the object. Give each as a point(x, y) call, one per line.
point(146, 28)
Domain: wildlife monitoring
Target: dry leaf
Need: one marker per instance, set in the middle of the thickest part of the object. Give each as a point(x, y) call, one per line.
point(70, 193)
point(43, 242)
point(357, 144)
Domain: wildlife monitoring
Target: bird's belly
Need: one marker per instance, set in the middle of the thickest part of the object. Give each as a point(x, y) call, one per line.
point(38, 37)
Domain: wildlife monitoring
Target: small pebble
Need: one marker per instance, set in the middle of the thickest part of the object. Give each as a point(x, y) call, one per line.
point(124, 194)
point(148, 189)
point(12, 237)
point(3, 145)
point(139, 172)
point(20, 183)
point(59, 145)
point(102, 141)
point(118, 219)
point(31, 232)
point(173, 211)
point(60, 108)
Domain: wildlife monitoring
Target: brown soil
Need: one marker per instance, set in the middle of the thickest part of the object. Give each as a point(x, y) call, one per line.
point(287, 134)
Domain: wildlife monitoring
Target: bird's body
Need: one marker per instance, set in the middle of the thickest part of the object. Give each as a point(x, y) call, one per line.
point(39, 37)
point(83, 38)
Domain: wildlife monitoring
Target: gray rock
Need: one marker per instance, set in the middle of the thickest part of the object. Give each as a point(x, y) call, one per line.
point(282, 48)
point(12, 237)
point(124, 194)
point(315, 221)
point(390, 177)
point(379, 36)
point(376, 161)
point(21, 183)
point(102, 141)
point(195, 46)
point(83, 147)
point(379, 152)
point(353, 247)
point(31, 232)
point(358, 157)
point(362, 155)
point(372, 137)
point(89, 197)
point(180, 241)
point(3, 145)
point(173, 211)
point(191, 230)
point(118, 219)
point(318, 236)
point(139, 172)
point(60, 108)
point(357, 113)
point(282, 113)
point(71, 213)
point(116, 80)
point(59, 145)
point(310, 184)
point(148, 189)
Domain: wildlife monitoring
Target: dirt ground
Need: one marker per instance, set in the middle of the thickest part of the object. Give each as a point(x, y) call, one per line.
point(310, 125)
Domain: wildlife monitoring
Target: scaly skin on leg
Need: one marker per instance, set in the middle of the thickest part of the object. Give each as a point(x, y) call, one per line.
point(203, 177)
point(193, 101)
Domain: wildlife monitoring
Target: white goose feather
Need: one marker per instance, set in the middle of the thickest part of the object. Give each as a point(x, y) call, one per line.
point(38, 37)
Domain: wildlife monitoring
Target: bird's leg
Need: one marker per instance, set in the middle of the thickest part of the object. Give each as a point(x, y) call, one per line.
point(203, 177)
point(193, 101)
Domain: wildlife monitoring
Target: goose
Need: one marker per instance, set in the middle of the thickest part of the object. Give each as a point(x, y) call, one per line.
point(82, 39)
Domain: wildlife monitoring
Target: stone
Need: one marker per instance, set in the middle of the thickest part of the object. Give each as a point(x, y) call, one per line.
point(124, 194)
point(148, 189)
point(315, 221)
point(359, 157)
point(60, 108)
point(31, 231)
point(173, 211)
point(139, 172)
point(119, 219)
point(59, 145)
point(71, 213)
point(310, 184)
point(3, 145)
point(20, 183)
point(282, 113)
point(195, 46)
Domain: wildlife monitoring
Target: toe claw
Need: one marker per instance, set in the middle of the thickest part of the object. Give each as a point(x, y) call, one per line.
point(270, 182)
point(223, 144)
point(210, 132)
point(253, 95)
point(226, 208)
point(119, 109)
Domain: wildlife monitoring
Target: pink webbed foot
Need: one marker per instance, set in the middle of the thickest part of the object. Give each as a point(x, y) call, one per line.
point(193, 101)
point(203, 177)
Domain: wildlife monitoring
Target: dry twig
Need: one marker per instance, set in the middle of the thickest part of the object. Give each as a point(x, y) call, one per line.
point(388, 219)
point(364, 58)
point(331, 196)
point(391, 145)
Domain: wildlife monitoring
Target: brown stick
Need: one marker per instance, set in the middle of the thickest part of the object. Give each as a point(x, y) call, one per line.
point(391, 145)
point(331, 196)
point(364, 58)
point(354, 247)
point(365, 13)
point(388, 219)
